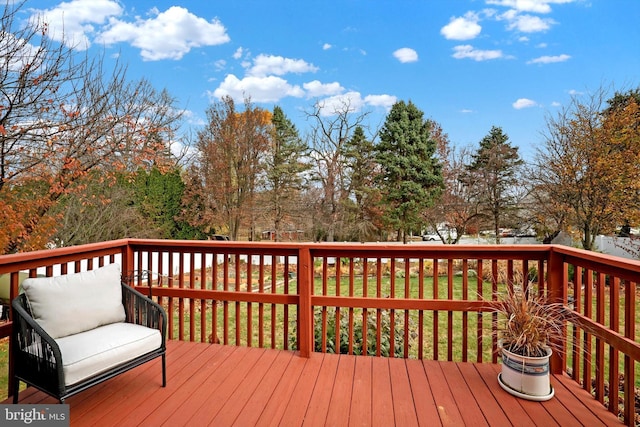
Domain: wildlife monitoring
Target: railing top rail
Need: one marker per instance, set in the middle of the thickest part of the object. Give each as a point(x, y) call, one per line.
point(418, 250)
point(27, 260)
point(581, 256)
point(276, 248)
point(601, 262)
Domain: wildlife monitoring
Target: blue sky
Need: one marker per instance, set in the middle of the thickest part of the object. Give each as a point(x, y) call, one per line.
point(467, 64)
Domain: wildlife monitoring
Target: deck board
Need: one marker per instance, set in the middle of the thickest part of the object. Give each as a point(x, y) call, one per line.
point(448, 410)
point(463, 396)
point(382, 410)
point(225, 385)
point(492, 411)
point(361, 404)
point(342, 393)
point(403, 406)
point(426, 409)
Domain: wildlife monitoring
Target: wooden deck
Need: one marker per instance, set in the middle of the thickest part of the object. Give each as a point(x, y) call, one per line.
point(225, 386)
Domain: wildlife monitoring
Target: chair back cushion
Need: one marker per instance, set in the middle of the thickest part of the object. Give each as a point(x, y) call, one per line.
point(73, 303)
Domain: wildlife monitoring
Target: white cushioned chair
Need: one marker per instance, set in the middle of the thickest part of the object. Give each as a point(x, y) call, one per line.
point(74, 331)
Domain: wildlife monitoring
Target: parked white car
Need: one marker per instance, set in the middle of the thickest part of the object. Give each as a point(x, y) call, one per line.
point(442, 233)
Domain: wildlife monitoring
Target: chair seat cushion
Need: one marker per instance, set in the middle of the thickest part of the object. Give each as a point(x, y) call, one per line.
point(89, 353)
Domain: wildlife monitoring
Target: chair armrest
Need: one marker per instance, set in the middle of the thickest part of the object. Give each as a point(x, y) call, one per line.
point(141, 310)
point(37, 357)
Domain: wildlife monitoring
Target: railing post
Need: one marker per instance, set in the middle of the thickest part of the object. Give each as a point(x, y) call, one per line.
point(557, 293)
point(127, 261)
point(305, 317)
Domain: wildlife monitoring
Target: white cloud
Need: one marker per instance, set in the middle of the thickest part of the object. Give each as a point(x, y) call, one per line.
point(556, 104)
point(24, 54)
point(326, 46)
point(468, 51)
point(168, 35)
point(260, 89)
point(385, 101)
point(354, 102)
point(535, 6)
point(73, 21)
point(462, 28)
point(466, 111)
point(332, 105)
point(315, 88)
point(405, 55)
point(524, 103)
point(238, 53)
point(264, 65)
point(525, 23)
point(549, 59)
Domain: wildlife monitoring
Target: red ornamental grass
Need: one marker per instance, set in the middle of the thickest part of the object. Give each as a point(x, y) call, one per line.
point(528, 324)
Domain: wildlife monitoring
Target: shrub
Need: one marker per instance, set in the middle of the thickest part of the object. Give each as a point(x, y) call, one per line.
point(358, 333)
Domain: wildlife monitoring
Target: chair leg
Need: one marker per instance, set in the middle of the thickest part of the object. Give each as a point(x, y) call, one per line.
point(16, 390)
point(164, 371)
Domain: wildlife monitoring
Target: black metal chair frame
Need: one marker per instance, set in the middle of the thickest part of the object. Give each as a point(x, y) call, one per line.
point(38, 361)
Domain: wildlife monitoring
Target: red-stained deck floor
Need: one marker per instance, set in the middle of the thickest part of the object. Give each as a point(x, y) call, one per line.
point(237, 386)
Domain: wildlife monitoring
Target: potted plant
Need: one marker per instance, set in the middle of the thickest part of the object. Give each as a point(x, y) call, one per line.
point(529, 330)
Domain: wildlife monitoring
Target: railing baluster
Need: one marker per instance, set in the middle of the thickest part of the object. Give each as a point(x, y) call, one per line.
point(421, 285)
point(170, 310)
point(203, 302)
point(588, 344)
point(249, 307)
point(465, 315)
point(436, 320)
point(350, 314)
point(450, 313)
point(630, 306)
point(214, 304)
point(480, 319)
point(286, 306)
point(325, 326)
point(599, 387)
point(392, 312)
point(378, 311)
point(261, 304)
point(494, 316)
point(225, 303)
point(577, 340)
point(614, 359)
point(237, 288)
point(365, 294)
point(274, 290)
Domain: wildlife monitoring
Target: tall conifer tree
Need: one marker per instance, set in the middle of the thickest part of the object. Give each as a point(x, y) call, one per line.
point(410, 174)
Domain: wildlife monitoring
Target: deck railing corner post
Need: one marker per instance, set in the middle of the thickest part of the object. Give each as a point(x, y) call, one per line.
point(305, 317)
point(557, 293)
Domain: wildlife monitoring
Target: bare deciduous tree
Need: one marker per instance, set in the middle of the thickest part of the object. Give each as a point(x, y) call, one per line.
point(330, 132)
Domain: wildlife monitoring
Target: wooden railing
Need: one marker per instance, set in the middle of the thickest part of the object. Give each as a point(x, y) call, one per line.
point(419, 301)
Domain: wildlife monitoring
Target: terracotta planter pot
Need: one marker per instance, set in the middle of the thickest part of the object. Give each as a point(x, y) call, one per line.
point(526, 377)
